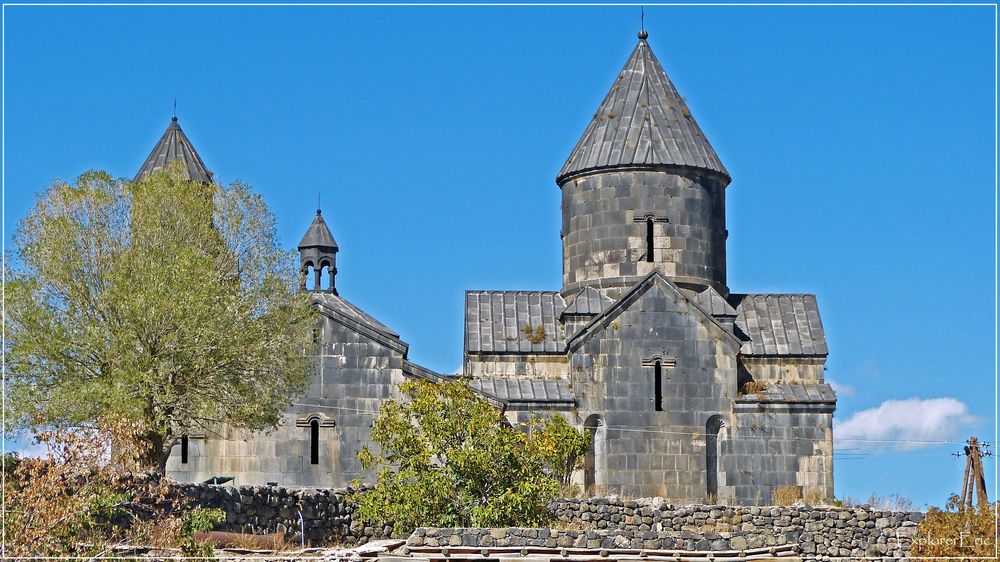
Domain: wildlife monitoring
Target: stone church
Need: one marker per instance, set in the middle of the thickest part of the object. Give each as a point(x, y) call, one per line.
point(691, 391)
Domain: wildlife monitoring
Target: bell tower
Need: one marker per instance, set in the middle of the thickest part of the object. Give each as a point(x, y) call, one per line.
point(643, 190)
point(318, 251)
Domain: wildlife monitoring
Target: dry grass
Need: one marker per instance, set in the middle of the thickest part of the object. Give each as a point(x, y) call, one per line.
point(814, 497)
point(892, 502)
point(753, 387)
point(959, 534)
point(534, 335)
point(786, 495)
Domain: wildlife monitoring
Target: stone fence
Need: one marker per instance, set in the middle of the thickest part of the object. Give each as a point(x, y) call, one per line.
point(328, 517)
point(819, 531)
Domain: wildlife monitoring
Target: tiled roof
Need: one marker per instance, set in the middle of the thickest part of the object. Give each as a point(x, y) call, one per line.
point(714, 303)
point(318, 235)
point(588, 302)
point(781, 325)
point(524, 390)
point(174, 146)
point(643, 121)
point(793, 393)
point(497, 322)
point(412, 369)
point(331, 303)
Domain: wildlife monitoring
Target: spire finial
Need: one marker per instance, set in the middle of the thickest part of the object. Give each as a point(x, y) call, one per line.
point(642, 23)
point(319, 206)
point(174, 116)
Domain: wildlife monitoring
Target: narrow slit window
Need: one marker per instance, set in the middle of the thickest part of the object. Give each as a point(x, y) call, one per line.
point(314, 442)
point(658, 386)
point(649, 239)
point(184, 449)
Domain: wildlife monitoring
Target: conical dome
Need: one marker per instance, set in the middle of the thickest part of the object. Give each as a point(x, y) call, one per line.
point(643, 122)
point(318, 235)
point(174, 146)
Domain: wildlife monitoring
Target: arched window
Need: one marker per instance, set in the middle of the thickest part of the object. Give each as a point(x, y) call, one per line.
point(184, 449)
point(712, 428)
point(306, 271)
point(649, 239)
point(658, 386)
point(323, 272)
point(314, 442)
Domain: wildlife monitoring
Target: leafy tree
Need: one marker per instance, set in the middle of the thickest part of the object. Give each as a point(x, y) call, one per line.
point(563, 446)
point(449, 459)
point(150, 310)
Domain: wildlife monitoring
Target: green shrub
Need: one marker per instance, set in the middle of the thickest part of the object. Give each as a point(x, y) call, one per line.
point(449, 459)
point(193, 521)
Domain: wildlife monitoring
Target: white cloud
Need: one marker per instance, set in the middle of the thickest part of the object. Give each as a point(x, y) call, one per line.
point(904, 424)
point(840, 388)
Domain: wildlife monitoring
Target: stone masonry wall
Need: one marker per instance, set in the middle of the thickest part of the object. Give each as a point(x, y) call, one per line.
point(353, 375)
point(327, 515)
point(328, 518)
point(819, 531)
point(604, 229)
point(649, 452)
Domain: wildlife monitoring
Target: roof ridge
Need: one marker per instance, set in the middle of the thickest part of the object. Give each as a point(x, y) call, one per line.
point(468, 291)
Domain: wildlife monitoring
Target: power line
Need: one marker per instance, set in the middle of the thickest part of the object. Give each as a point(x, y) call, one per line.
point(688, 433)
point(973, 482)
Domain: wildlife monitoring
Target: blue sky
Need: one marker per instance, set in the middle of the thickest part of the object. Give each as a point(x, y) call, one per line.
point(860, 140)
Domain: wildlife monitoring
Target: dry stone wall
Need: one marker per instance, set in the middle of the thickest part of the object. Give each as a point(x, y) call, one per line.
point(327, 516)
point(819, 532)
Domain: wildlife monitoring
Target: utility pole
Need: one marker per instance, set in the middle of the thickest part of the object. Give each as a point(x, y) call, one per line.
point(974, 482)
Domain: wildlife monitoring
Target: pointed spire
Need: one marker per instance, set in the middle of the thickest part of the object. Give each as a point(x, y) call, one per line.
point(174, 146)
point(319, 235)
point(642, 122)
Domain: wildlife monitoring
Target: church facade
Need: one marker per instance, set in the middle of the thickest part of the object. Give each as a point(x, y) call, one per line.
point(691, 391)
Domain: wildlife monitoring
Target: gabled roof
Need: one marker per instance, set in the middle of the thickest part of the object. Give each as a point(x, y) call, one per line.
point(634, 294)
point(318, 235)
point(780, 325)
point(339, 309)
point(497, 321)
point(525, 391)
point(174, 146)
point(642, 122)
point(714, 303)
point(587, 302)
